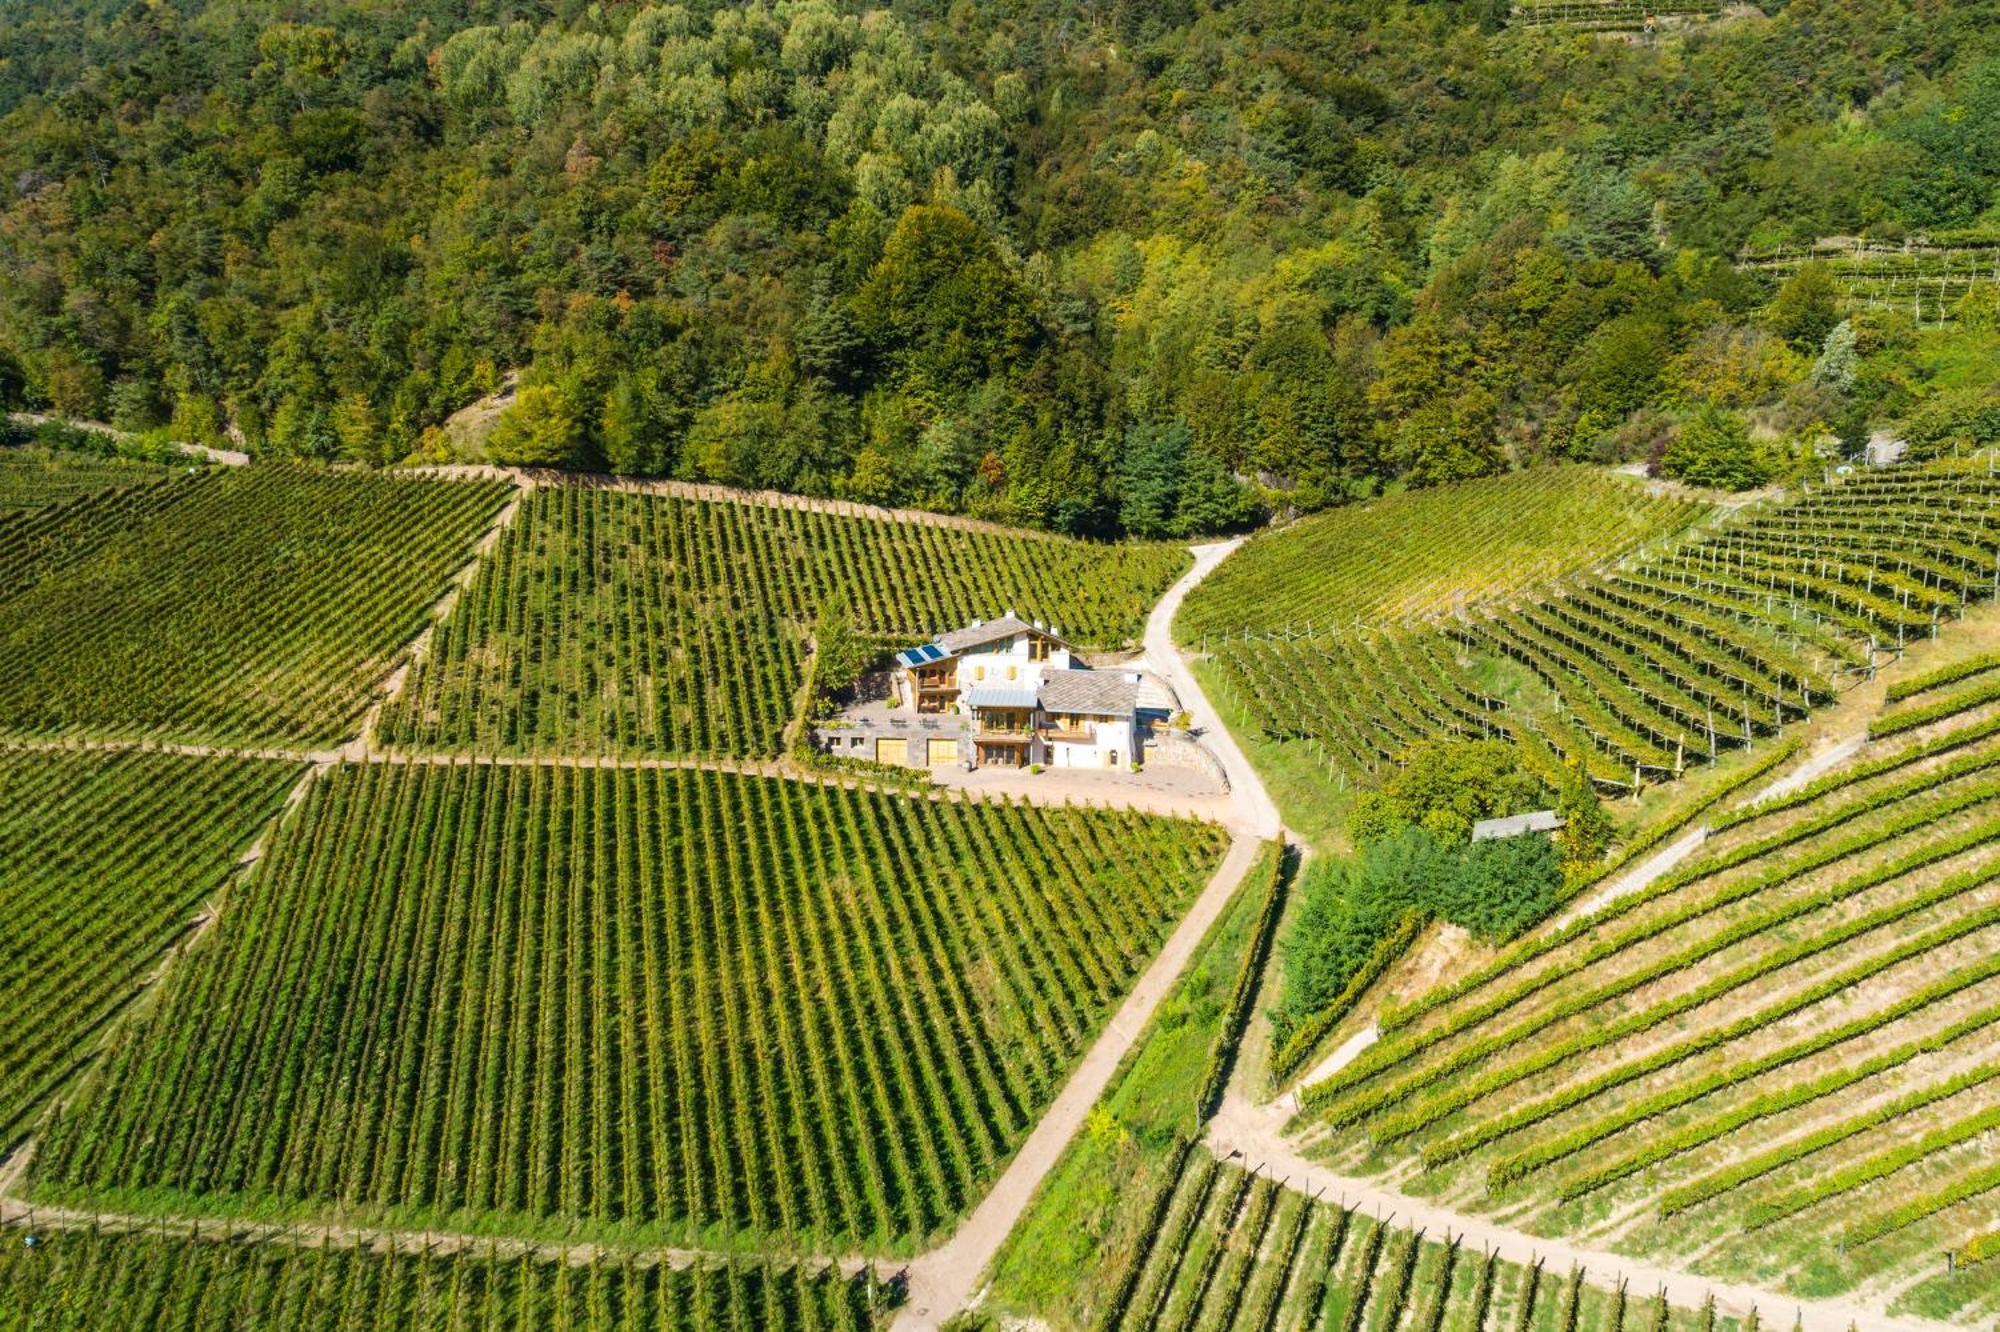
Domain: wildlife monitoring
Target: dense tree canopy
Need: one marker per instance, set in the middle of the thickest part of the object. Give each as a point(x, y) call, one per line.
point(1096, 267)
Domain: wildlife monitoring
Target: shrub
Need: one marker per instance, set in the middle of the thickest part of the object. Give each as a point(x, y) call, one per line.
point(1714, 448)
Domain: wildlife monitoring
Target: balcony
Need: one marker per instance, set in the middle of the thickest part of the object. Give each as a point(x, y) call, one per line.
point(1070, 735)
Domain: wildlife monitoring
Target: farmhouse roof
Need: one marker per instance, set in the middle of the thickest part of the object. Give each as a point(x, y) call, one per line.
point(1542, 820)
point(1000, 698)
point(1097, 693)
point(981, 632)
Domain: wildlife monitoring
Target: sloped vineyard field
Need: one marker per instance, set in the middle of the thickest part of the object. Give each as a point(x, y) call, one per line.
point(1609, 15)
point(1427, 552)
point(34, 477)
point(1784, 1054)
point(667, 1004)
point(89, 1281)
point(1925, 277)
point(1678, 654)
point(104, 861)
point(627, 624)
point(249, 605)
point(37, 542)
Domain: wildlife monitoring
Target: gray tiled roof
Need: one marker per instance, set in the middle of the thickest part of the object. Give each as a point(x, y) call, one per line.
point(1099, 693)
point(991, 631)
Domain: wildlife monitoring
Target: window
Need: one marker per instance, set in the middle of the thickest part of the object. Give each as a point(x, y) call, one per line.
point(1038, 649)
point(1013, 672)
point(979, 672)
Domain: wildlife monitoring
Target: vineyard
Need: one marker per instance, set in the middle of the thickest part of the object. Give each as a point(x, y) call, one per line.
point(1231, 1249)
point(1782, 1057)
point(674, 1005)
point(1609, 15)
point(88, 1281)
point(34, 477)
point(1922, 277)
point(36, 543)
point(628, 624)
point(104, 861)
point(1429, 552)
point(247, 605)
point(1668, 660)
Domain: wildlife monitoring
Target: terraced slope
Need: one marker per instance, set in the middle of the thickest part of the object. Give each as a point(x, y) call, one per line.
point(1674, 656)
point(1923, 277)
point(87, 1281)
point(251, 605)
point(631, 624)
point(105, 860)
point(1610, 15)
point(674, 1005)
point(1234, 1250)
point(1782, 1060)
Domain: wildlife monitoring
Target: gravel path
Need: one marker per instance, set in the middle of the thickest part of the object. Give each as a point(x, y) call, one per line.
point(1256, 1133)
point(1651, 870)
point(27, 1217)
point(944, 1280)
point(227, 457)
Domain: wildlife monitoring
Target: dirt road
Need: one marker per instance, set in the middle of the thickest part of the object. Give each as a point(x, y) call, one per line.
point(1256, 1132)
point(943, 1280)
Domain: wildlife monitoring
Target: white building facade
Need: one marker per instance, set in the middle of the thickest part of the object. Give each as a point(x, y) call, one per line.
point(1015, 694)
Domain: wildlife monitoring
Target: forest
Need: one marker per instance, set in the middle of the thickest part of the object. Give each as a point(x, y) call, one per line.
point(1106, 268)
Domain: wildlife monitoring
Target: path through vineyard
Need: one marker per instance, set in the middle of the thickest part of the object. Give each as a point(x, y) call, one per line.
point(943, 1280)
point(315, 1235)
point(1256, 1134)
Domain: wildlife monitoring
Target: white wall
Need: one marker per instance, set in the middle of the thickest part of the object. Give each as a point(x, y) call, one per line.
point(1112, 737)
point(996, 658)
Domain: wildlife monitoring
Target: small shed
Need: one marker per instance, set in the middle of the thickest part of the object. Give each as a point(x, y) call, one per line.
point(1514, 825)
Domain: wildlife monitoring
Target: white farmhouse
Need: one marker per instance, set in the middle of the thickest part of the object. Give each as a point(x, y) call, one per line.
point(1019, 694)
point(1007, 652)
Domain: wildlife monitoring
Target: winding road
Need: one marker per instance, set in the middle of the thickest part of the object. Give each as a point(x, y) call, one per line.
point(944, 1280)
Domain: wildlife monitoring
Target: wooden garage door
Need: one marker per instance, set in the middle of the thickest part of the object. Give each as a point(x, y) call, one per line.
point(892, 751)
point(942, 751)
